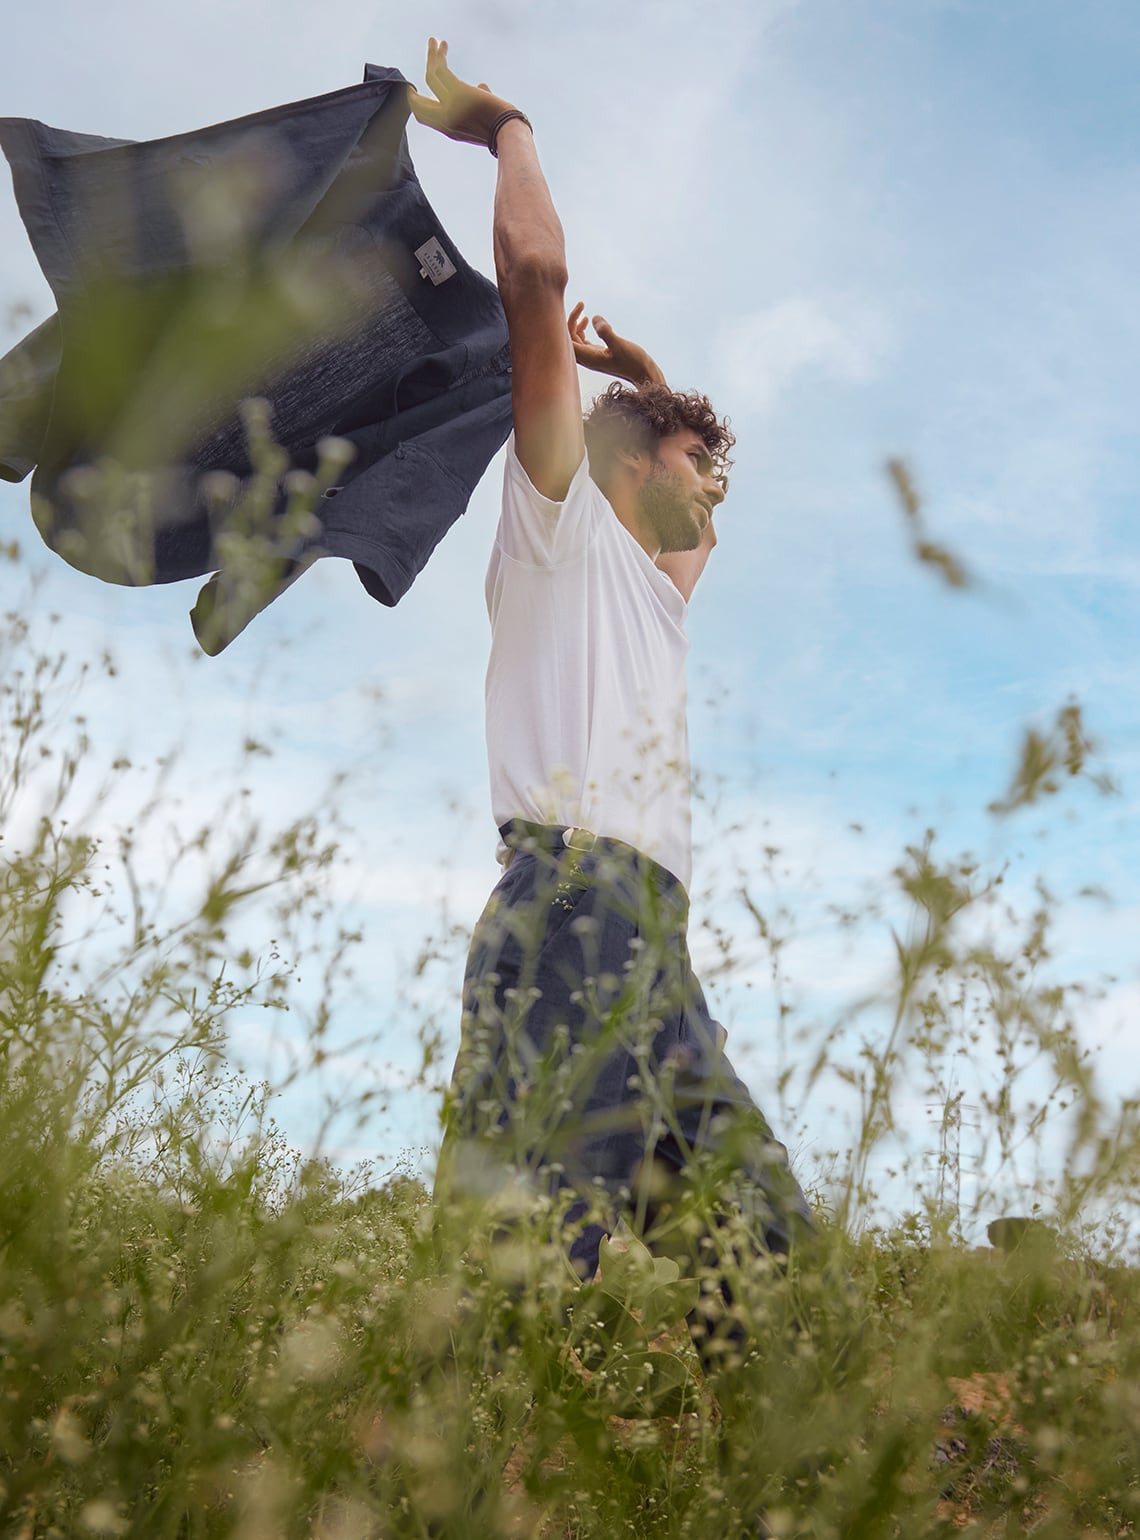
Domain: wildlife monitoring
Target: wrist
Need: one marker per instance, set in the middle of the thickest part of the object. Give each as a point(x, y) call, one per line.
point(513, 121)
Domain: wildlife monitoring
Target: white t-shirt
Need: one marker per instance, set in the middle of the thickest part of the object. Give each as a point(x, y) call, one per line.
point(586, 686)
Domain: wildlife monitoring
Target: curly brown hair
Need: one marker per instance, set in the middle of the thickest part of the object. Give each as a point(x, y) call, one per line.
point(639, 417)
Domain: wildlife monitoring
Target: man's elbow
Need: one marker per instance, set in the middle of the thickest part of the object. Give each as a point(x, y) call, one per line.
point(536, 271)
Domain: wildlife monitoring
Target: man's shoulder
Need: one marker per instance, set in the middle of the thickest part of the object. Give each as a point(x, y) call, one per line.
point(518, 487)
point(541, 532)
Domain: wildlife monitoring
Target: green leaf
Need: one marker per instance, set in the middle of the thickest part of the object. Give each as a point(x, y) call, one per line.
point(625, 1269)
point(670, 1304)
point(649, 1384)
point(665, 1271)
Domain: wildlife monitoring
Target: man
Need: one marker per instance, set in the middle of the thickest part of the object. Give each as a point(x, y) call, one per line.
point(590, 1066)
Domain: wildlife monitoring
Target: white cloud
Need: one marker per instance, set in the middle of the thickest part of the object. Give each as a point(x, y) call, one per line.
point(800, 340)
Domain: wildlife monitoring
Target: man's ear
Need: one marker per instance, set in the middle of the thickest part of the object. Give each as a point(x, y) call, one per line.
point(634, 461)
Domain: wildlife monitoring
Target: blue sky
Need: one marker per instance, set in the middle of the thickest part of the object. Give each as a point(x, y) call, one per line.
point(866, 229)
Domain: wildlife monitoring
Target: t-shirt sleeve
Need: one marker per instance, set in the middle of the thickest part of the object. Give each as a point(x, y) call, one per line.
point(542, 533)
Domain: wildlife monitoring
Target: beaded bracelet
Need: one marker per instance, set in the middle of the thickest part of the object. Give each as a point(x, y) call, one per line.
point(504, 117)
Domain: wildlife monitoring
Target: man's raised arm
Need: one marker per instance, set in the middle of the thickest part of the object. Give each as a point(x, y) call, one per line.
point(530, 265)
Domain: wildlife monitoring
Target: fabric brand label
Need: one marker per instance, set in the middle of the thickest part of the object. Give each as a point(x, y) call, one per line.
point(434, 262)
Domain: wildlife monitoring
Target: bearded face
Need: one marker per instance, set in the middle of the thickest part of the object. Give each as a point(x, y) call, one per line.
point(668, 507)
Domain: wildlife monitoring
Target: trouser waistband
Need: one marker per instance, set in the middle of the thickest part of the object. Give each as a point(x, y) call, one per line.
point(523, 837)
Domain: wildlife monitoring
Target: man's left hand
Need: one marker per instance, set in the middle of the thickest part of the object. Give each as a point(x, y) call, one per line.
point(618, 356)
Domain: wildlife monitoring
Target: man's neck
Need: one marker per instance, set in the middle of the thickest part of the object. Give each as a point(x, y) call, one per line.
point(624, 502)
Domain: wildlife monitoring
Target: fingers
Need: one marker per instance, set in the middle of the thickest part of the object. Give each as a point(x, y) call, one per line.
point(425, 109)
point(416, 100)
point(603, 328)
point(439, 68)
point(589, 354)
point(435, 71)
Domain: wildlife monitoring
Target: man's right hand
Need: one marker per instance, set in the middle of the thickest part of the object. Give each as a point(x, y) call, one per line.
point(459, 110)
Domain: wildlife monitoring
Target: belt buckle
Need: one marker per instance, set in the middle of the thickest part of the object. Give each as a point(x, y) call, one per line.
point(578, 839)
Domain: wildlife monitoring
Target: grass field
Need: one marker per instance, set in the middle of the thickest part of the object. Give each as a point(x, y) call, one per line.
point(204, 1335)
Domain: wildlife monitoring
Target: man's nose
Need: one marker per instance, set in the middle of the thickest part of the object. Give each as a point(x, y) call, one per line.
point(715, 490)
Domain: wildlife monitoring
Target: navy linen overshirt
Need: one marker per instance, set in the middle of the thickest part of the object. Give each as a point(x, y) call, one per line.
point(184, 271)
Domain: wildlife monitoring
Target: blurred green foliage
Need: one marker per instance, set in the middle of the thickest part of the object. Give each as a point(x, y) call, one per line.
point(205, 1334)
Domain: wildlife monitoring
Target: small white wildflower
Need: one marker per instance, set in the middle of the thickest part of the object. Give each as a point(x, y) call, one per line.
point(101, 1517)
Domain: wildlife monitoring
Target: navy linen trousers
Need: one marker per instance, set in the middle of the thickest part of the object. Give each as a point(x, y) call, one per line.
point(589, 1063)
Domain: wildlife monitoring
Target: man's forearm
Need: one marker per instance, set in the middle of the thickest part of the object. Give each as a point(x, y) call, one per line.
point(527, 232)
point(684, 568)
point(528, 238)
